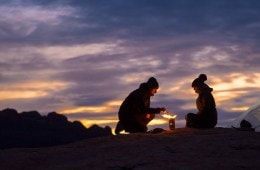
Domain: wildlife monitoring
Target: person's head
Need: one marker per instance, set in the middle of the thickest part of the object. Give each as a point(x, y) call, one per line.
point(153, 86)
point(199, 85)
point(203, 77)
point(197, 89)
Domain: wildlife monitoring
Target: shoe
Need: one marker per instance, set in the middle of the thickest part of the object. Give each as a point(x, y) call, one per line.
point(119, 128)
point(156, 130)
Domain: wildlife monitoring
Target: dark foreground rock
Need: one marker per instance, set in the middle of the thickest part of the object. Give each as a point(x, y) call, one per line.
point(181, 149)
point(30, 129)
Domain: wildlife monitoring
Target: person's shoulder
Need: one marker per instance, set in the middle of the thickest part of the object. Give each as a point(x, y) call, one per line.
point(143, 86)
point(135, 92)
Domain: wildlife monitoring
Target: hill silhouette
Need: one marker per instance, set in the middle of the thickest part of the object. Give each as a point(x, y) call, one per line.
point(31, 129)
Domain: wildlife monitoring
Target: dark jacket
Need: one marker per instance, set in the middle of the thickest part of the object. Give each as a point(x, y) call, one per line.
point(136, 103)
point(207, 107)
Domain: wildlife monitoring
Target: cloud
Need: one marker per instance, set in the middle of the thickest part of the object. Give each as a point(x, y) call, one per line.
point(25, 23)
point(100, 51)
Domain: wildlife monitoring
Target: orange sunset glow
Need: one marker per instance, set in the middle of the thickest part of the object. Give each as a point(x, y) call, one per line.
point(70, 58)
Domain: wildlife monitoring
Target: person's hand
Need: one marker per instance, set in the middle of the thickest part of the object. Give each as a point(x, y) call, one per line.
point(163, 109)
point(160, 109)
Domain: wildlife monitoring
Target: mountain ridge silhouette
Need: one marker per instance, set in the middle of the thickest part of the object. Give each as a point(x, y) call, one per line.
point(31, 129)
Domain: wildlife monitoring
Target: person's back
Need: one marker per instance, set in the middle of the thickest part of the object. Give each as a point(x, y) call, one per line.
point(135, 112)
point(134, 104)
point(206, 116)
point(207, 108)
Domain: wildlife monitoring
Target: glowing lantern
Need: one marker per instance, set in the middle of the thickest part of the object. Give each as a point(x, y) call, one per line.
point(171, 118)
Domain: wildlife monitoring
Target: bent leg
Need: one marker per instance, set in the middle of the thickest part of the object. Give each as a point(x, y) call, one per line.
point(148, 118)
point(119, 127)
point(191, 120)
point(134, 127)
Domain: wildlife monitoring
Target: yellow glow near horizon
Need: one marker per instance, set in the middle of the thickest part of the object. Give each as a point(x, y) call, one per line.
point(107, 107)
point(228, 95)
point(38, 85)
point(15, 94)
point(239, 108)
point(31, 89)
point(226, 89)
point(114, 103)
point(237, 81)
point(236, 86)
point(111, 122)
point(223, 92)
point(108, 122)
point(94, 109)
point(89, 122)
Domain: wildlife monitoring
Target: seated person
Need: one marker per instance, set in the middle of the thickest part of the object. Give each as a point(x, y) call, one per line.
point(206, 117)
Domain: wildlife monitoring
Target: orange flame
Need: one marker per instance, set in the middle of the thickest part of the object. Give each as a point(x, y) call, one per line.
point(168, 116)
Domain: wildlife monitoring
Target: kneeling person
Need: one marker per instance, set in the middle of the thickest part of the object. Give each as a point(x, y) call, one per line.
point(135, 112)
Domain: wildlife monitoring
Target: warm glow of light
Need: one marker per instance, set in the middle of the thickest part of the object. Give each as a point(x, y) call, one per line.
point(45, 85)
point(177, 88)
point(237, 81)
point(158, 122)
point(110, 106)
point(36, 85)
point(89, 122)
point(227, 95)
point(93, 109)
point(239, 108)
point(5, 95)
point(168, 116)
point(234, 87)
point(30, 89)
point(114, 103)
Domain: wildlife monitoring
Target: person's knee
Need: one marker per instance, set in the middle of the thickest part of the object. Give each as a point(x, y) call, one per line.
point(188, 116)
point(191, 120)
point(144, 129)
point(136, 129)
point(152, 116)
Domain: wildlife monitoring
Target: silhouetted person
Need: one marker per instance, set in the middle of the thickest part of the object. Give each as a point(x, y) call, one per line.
point(135, 112)
point(206, 117)
point(201, 81)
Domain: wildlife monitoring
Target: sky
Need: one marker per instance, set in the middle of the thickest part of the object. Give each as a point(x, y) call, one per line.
point(82, 58)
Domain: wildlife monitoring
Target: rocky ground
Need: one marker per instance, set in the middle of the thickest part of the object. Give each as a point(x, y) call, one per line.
point(182, 148)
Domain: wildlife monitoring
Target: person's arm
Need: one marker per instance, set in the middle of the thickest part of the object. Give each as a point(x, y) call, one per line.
point(141, 108)
point(155, 110)
point(205, 104)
